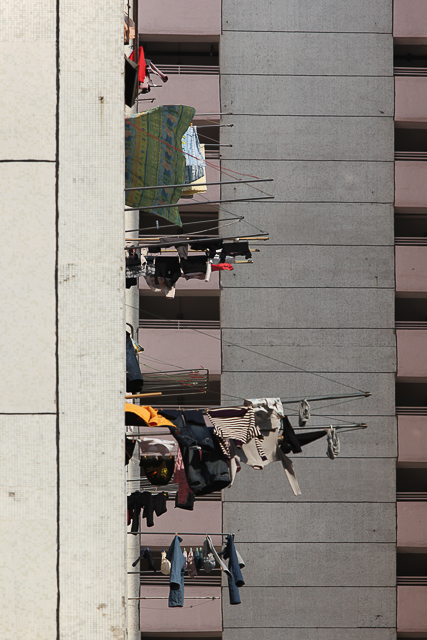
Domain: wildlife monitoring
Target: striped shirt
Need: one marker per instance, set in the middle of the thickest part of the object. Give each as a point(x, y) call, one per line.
point(238, 424)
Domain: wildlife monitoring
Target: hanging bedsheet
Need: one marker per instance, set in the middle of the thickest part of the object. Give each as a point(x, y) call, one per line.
point(153, 148)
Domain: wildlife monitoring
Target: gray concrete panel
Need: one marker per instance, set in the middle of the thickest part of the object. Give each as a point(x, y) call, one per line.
point(299, 384)
point(306, 308)
point(325, 349)
point(311, 181)
point(327, 15)
point(309, 223)
point(321, 480)
point(307, 95)
point(308, 634)
point(300, 54)
point(28, 521)
point(309, 138)
point(305, 522)
point(337, 564)
point(330, 266)
point(313, 607)
point(28, 288)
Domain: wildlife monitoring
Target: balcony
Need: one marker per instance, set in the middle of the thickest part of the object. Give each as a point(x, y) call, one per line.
point(411, 271)
point(412, 526)
point(167, 346)
point(412, 610)
point(411, 186)
point(411, 97)
point(184, 20)
point(412, 438)
point(410, 21)
point(196, 86)
point(411, 354)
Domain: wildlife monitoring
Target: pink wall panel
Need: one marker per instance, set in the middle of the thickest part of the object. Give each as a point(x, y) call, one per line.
point(181, 348)
point(411, 270)
point(412, 525)
point(411, 99)
point(198, 91)
point(411, 353)
point(186, 17)
point(412, 439)
point(205, 518)
point(195, 616)
point(410, 19)
point(412, 609)
point(411, 185)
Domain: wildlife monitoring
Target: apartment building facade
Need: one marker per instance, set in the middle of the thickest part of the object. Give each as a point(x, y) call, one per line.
point(328, 99)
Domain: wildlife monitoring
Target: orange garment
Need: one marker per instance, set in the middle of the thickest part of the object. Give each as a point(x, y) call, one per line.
point(149, 415)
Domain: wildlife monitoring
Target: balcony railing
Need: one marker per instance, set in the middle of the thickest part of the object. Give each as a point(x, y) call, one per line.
point(411, 411)
point(413, 241)
point(410, 71)
point(410, 325)
point(188, 69)
point(411, 496)
point(411, 580)
point(410, 155)
point(180, 324)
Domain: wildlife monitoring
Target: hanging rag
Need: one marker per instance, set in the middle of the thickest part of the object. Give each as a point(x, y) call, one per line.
point(146, 555)
point(206, 469)
point(235, 580)
point(134, 379)
point(222, 267)
point(199, 185)
point(307, 437)
point(176, 581)
point(290, 441)
point(198, 560)
point(304, 413)
point(234, 249)
point(158, 470)
point(156, 446)
point(165, 565)
point(145, 416)
point(130, 447)
point(238, 424)
point(131, 82)
point(194, 267)
point(141, 63)
point(333, 443)
point(194, 161)
point(210, 557)
point(184, 498)
point(265, 406)
point(268, 412)
point(156, 159)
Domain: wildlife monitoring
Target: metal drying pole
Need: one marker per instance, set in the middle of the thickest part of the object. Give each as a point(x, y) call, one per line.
point(186, 184)
point(198, 203)
point(362, 394)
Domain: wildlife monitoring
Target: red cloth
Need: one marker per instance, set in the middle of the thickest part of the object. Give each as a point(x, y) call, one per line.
point(141, 63)
point(222, 266)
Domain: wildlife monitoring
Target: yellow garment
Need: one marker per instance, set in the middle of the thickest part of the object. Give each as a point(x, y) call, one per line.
point(198, 186)
point(149, 415)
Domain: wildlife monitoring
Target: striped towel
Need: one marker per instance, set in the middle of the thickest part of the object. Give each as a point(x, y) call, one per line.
point(153, 150)
point(238, 424)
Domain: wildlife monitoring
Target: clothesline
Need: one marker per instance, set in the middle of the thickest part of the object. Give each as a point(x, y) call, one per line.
point(208, 184)
point(187, 239)
point(351, 427)
point(197, 202)
point(167, 597)
point(362, 394)
point(182, 533)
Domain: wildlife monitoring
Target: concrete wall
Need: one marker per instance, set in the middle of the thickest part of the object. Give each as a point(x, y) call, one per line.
point(62, 174)
point(313, 108)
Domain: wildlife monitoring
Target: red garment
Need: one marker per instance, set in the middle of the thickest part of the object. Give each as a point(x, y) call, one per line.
point(141, 63)
point(222, 266)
